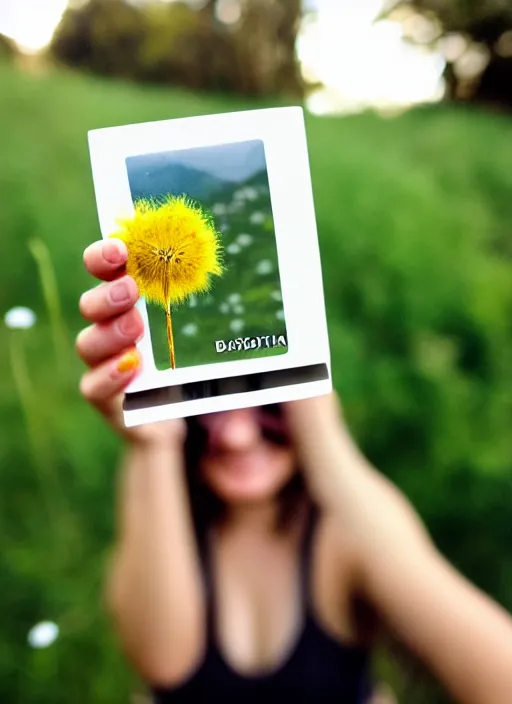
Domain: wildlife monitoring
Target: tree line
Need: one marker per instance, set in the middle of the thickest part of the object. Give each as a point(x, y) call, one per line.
point(246, 47)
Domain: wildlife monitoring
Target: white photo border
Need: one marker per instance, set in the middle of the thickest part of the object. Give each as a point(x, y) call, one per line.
point(283, 133)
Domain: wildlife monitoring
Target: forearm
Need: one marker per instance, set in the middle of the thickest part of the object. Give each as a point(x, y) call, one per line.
point(155, 587)
point(461, 635)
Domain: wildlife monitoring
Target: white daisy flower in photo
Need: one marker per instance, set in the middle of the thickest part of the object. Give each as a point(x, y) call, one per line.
point(43, 634)
point(280, 314)
point(20, 318)
point(238, 309)
point(257, 218)
point(189, 330)
point(276, 295)
point(219, 209)
point(251, 193)
point(233, 248)
point(234, 298)
point(264, 267)
point(237, 325)
point(244, 239)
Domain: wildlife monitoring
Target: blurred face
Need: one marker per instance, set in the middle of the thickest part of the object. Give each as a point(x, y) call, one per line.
point(248, 457)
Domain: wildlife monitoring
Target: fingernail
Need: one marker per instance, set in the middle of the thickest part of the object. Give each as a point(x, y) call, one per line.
point(129, 326)
point(119, 293)
point(129, 362)
point(114, 252)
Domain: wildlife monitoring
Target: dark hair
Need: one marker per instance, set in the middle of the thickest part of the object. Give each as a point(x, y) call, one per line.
point(207, 508)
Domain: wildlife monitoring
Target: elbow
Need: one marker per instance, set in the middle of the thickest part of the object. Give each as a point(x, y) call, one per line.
point(164, 654)
point(158, 674)
point(162, 666)
point(163, 644)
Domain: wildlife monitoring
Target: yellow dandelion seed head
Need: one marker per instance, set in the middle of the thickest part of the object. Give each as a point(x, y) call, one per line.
point(173, 249)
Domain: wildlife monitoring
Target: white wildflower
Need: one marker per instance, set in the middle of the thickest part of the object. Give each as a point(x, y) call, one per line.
point(244, 239)
point(257, 218)
point(20, 318)
point(43, 634)
point(251, 193)
point(189, 330)
point(219, 209)
point(264, 267)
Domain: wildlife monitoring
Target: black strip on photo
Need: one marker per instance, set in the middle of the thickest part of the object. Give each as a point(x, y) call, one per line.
point(212, 388)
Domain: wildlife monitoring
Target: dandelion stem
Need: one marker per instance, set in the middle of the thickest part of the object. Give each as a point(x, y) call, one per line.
point(170, 337)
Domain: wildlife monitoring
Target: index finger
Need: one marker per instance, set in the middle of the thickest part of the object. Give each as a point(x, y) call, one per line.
point(106, 259)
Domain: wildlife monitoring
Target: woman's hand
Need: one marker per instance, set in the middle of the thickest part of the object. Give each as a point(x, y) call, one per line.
point(108, 345)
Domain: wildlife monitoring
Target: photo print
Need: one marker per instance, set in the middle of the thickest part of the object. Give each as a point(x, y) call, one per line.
point(205, 255)
point(212, 208)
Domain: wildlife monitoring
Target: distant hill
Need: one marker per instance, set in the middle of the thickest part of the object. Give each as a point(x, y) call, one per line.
point(259, 179)
point(234, 162)
point(155, 175)
point(149, 181)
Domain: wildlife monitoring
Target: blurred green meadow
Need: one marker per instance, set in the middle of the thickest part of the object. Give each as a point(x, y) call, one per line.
point(414, 220)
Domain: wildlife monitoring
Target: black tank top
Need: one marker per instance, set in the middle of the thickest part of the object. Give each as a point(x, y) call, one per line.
point(319, 668)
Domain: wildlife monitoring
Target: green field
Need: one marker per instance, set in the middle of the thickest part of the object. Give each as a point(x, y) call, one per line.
point(414, 221)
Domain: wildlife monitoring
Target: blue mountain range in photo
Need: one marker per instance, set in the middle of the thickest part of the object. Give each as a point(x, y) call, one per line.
point(200, 173)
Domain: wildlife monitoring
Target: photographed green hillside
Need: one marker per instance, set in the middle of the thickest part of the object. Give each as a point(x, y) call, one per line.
point(414, 215)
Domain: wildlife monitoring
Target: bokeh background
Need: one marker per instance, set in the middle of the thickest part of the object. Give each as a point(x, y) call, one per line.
point(230, 182)
point(410, 136)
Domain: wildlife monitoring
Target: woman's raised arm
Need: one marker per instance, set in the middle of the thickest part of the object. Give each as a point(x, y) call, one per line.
point(460, 634)
point(154, 586)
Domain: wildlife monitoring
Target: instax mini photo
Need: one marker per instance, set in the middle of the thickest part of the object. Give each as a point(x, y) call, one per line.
point(218, 217)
